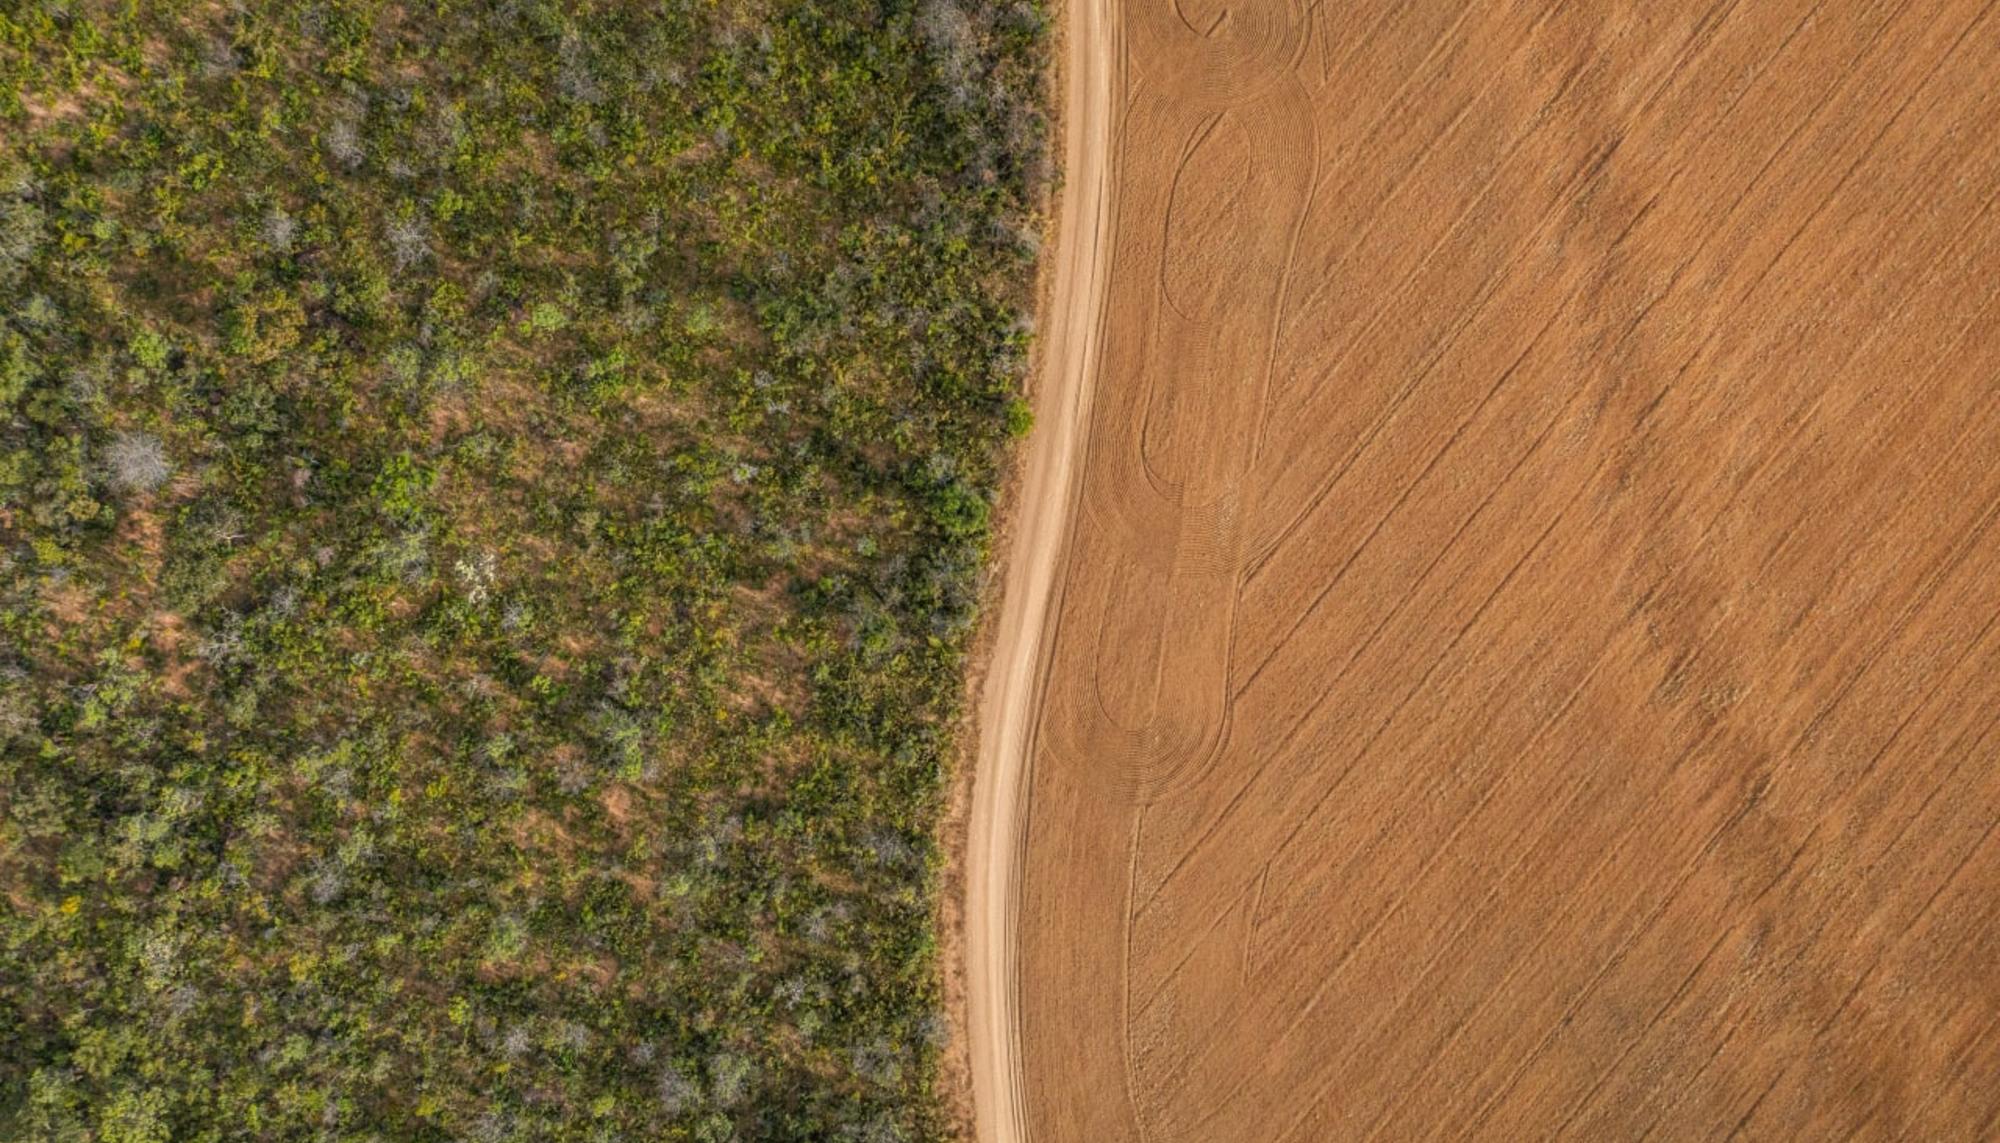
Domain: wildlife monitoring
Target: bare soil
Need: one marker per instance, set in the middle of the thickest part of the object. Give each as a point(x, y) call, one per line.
point(1039, 510)
point(1522, 637)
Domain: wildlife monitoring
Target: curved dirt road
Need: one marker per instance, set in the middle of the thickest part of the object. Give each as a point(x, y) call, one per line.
point(1073, 306)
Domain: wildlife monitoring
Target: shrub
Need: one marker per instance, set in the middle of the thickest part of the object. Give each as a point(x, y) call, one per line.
point(495, 499)
point(137, 462)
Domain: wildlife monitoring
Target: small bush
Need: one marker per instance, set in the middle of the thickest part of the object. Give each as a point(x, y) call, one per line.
point(137, 462)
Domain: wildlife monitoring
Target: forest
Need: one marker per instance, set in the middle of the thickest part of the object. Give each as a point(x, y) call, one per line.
point(494, 510)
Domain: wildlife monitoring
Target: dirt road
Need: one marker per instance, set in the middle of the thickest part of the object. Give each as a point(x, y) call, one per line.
point(1072, 313)
point(1504, 639)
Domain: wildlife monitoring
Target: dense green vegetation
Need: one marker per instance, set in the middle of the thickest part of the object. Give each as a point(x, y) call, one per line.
point(492, 503)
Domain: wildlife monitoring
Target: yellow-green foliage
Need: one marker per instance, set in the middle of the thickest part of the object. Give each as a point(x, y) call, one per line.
point(491, 503)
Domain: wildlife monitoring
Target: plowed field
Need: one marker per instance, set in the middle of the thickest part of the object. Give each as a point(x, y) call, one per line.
point(1522, 658)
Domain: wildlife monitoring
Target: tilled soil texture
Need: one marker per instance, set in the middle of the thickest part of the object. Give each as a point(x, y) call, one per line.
point(1524, 656)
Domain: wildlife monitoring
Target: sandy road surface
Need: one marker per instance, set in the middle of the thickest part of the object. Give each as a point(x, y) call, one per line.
point(1524, 656)
point(1070, 327)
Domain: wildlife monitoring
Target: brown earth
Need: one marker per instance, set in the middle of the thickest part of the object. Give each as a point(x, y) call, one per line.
point(1072, 313)
point(1521, 658)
